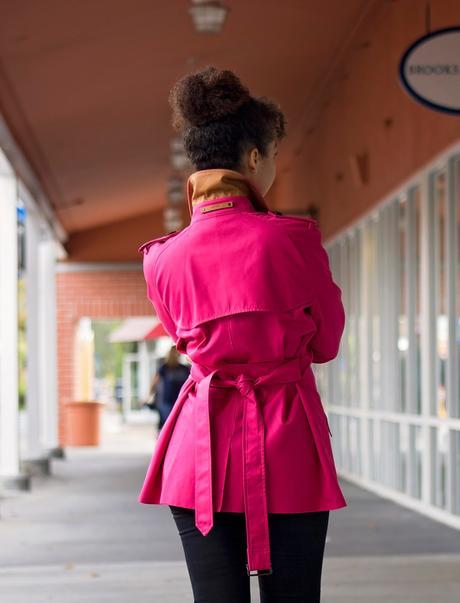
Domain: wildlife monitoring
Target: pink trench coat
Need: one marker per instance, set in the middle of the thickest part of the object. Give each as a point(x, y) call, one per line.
point(248, 295)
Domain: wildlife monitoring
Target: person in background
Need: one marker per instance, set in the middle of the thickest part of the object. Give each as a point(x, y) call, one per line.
point(166, 384)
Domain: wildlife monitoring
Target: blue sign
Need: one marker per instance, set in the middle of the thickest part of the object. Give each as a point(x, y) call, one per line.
point(21, 213)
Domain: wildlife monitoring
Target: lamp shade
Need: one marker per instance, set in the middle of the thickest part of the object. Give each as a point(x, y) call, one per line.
point(208, 15)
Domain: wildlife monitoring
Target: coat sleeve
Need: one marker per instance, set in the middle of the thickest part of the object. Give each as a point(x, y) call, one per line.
point(155, 298)
point(327, 309)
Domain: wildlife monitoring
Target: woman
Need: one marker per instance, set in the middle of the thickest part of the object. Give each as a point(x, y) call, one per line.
point(244, 460)
point(167, 383)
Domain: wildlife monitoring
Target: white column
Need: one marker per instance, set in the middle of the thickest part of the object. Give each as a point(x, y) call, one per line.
point(84, 361)
point(127, 392)
point(41, 393)
point(47, 338)
point(35, 455)
point(10, 475)
point(144, 376)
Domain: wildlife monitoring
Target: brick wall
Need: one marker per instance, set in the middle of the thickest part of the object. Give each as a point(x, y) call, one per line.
point(96, 294)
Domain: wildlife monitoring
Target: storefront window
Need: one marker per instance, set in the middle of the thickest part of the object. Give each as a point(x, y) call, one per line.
point(403, 335)
point(456, 413)
point(334, 380)
point(417, 322)
point(390, 304)
point(353, 318)
point(375, 309)
point(440, 449)
point(344, 348)
point(415, 456)
point(440, 293)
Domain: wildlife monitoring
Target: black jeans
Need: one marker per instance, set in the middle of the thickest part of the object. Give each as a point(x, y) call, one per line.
point(216, 562)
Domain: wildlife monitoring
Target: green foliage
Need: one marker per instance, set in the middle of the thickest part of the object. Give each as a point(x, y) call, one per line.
point(109, 356)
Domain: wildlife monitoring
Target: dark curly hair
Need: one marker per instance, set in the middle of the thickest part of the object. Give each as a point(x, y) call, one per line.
point(219, 120)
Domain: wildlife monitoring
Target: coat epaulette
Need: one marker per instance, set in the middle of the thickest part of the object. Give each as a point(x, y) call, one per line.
point(147, 244)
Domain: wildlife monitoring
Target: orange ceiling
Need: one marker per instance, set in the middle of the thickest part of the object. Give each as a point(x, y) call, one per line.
point(84, 87)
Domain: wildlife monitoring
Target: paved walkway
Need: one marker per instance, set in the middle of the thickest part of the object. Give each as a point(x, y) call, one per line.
point(80, 535)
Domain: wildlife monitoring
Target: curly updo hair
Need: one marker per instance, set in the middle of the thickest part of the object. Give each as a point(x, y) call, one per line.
point(219, 120)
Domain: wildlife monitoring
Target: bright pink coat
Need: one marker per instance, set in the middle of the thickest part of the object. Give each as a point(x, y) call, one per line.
point(248, 295)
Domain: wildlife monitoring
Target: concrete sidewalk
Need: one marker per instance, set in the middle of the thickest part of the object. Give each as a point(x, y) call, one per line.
point(81, 535)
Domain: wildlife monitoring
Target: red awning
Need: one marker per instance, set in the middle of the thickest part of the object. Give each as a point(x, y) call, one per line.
point(138, 328)
point(157, 331)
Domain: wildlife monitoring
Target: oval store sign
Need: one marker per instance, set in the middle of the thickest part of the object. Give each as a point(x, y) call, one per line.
point(430, 70)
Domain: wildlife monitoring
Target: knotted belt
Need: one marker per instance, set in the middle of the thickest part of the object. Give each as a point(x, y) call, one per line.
point(246, 378)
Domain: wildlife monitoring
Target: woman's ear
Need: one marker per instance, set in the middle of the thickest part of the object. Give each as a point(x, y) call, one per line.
point(253, 159)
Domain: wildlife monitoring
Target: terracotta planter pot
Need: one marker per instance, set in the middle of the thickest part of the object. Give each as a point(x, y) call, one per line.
point(83, 422)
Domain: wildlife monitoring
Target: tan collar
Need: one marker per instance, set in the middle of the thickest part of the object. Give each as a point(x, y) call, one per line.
point(205, 185)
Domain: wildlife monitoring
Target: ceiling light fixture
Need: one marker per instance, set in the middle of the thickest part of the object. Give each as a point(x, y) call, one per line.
point(172, 218)
point(179, 159)
point(208, 16)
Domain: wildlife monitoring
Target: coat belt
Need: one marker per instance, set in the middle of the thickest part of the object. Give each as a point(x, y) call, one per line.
point(254, 472)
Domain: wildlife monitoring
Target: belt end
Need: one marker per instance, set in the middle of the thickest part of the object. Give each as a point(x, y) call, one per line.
point(261, 572)
point(204, 528)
